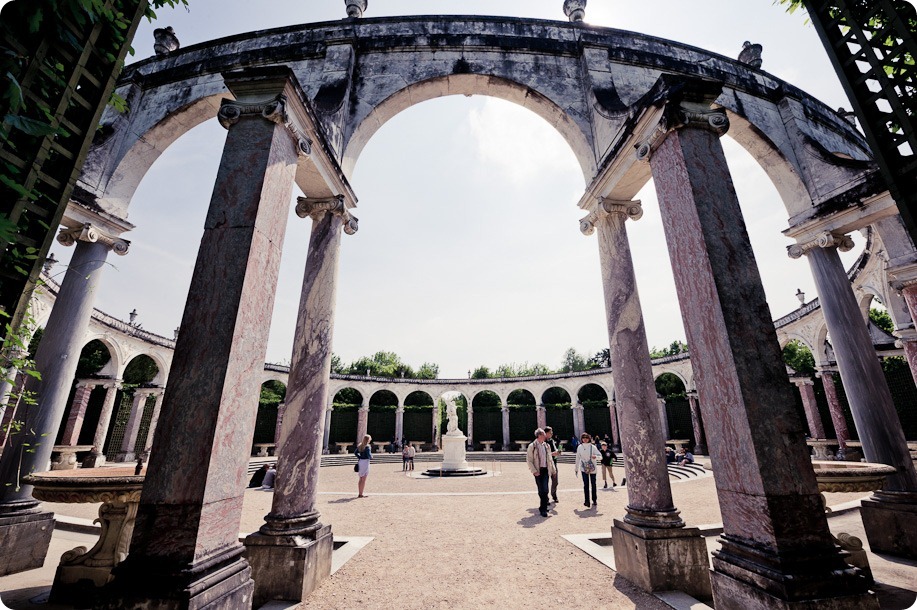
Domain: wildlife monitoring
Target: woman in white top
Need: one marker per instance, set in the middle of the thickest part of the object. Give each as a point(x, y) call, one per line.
point(587, 457)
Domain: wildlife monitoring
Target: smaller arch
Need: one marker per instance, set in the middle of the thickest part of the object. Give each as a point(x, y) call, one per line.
point(591, 392)
point(347, 396)
point(681, 378)
point(115, 366)
point(383, 398)
point(520, 397)
point(670, 382)
point(556, 395)
point(416, 399)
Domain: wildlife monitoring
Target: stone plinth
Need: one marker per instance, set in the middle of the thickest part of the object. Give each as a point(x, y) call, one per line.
point(662, 559)
point(26, 538)
point(288, 568)
point(81, 573)
point(890, 520)
point(454, 452)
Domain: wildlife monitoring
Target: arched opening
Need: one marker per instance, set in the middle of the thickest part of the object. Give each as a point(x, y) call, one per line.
point(126, 435)
point(558, 414)
point(381, 417)
point(488, 419)
point(418, 418)
point(596, 415)
point(344, 417)
point(894, 365)
point(523, 418)
point(272, 394)
point(671, 388)
point(84, 406)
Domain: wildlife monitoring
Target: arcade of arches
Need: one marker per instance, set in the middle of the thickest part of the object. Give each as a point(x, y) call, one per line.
point(631, 108)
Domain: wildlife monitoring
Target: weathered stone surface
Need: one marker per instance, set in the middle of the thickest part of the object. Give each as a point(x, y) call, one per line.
point(662, 559)
point(288, 568)
point(890, 520)
point(25, 541)
point(78, 406)
point(730, 593)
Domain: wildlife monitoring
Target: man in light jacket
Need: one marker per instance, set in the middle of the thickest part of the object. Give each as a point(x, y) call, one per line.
point(538, 458)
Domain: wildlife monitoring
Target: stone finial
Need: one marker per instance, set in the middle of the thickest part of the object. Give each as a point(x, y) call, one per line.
point(575, 10)
point(848, 115)
point(355, 8)
point(750, 54)
point(165, 41)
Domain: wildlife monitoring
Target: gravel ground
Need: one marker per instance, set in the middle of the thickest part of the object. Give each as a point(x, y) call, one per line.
point(462, 543)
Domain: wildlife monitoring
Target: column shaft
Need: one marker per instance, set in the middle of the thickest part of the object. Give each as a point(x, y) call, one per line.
point(470, 425)
point(97, 457)
point(132, 429)
point(910, 346)
point(578, 421)
point(154, 422)
point(326, 433)
point(697, 423)
point(613, 414)
point(363, 423)
point(77, 413)
point(281, 413)
point(813, 418)
point(774, 528)
point(878, 426)
point(541, 416)
point(504, 410)
point(835, 409)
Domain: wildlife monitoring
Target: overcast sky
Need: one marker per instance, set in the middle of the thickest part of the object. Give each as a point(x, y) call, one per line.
point(469, 250)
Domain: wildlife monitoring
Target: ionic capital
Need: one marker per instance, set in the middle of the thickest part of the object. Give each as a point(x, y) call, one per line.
point(91, 233)
point(824, 240)
point(607, 207)
point(683, 115)
point(316, 208)
point(112, 385)
point(273, 110)
point(801, 381)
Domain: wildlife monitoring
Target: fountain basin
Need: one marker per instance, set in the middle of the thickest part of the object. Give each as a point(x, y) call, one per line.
point(848, 477)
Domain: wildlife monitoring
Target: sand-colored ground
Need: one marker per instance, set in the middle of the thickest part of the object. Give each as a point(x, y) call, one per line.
point(469, 543)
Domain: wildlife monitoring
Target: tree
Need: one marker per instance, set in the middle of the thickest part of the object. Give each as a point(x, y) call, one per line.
point(674, 348)
point(337, 365)
point(93, 357)
point(272, 393)
point(389, 364)
point(668, 385)
point(482, 372)
point(573, 361)
point(602, 359)
point(882, 319)
point(428, 370)
point(140, 370)
point(798, 357)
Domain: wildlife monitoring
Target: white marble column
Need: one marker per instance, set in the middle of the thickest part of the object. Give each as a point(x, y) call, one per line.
point(504, 411)
point(132, 428)
point(278, 425)
point(664, 418)
point(154, 421)
point(363, 422)
point(292, 534)
point(541, 416)
point(615, 434)
point(399, 421)
point(809, 404)
point(579, 419)
point(470, 433)
point(326, 433)
point(96, 457)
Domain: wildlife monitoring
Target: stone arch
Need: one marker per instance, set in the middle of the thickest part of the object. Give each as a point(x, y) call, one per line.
point(681, 378)
point(419, 392)
point(555, 393)
point(163, 372)
point(348, 390)
point(523, 393)
point(382, 397)
point(115, 366)
point(579, 391)
point(786, 338)
point(470, 84)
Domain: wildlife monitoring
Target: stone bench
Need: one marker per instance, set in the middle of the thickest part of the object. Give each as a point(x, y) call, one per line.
point(63, 457)
point(821, 448)
point(343, 447)
point(522, 444)
point(264, 449)
point(488, 445)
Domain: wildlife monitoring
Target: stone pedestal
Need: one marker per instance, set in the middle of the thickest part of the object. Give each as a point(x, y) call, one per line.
point(26, 537)
point(288, 567)
point(731, 593)
point(454, 452)
point(662, 559)
point(890, 520)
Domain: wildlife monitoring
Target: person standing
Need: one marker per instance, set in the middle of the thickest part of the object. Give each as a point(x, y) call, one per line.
point(555, 451)
point(405, 457)
point(364, 454)
point(538, 459)
point(608, 458)
point(587, 456)
point(411, 454)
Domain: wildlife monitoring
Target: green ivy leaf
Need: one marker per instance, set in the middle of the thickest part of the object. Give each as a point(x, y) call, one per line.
point(29, 126)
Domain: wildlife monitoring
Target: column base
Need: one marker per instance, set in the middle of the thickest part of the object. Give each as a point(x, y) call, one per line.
point(220, 583)
point(889, 518)
point(748, 576)
point(288, 568)
point(94, 460)
point(24, 540)
point(732, 594)
point(662, 559)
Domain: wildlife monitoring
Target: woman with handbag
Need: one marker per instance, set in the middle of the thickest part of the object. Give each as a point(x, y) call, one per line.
point(587, 456)
point(364, 454)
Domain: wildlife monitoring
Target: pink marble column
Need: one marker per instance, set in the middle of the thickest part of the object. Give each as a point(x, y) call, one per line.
point(77, 413)
point(910, 353)
point(154, 422)
point(813, 418)
point(363, 422)
point(651, 526)
point(834, 407)
point(776, 549)
point(697, 423)
point(96, 457)
point(541, 416)
point(326, 433)
point(470, 433)
point(613, 414)
point(281, 412)
point(132, 429)
point(579, 420)
point(909, 292)
point(292, 534)
point(185, 551)
point(504, 411)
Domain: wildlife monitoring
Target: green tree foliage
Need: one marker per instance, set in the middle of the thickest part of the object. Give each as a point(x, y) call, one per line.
point(522, 370)
point(668, 385)
point(272, 393)
point(418, 399)
point(348, 396)
point(389, 364)
point(93, 357)
point(482, 372)
point(882, 319)
point(337, 365)
point(520, 397)
point(140, 370)
point(798, 357)
point(486, 399)
point(601, 359)
point(428, 370)
point(555, 396)
point(574, 361)
point(674, 348)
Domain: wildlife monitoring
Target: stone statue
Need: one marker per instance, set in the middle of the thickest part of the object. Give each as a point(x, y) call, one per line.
point(575, 10)
point(452, 428)
point(165, 41)
point(355, 8)
point(751, 54)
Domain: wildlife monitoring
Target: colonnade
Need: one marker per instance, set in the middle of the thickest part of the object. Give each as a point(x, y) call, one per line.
point(185, 553)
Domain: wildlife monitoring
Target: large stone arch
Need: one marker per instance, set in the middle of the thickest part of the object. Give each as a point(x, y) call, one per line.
point(468, 85)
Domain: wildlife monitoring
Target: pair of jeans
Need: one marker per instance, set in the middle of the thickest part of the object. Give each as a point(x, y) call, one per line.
point(541, 481)
point(554, 483)
point(587, 478)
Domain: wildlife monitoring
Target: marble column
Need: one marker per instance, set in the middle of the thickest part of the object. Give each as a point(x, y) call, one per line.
point(132, 429)
point(278, 425)
point(154, 422)
point(541, 416)
point(326, 432)
point(664, 418)
point(579, 420)
point(77, 412)
point(890, 515)
point(776, 550)
point(615, 435)
point(813, 418)
point(838, 420)
point(652, 546)
point(185, 552)
point(470, 433)
point(22, 524)
point(909, 342)
point(504, 410)
point(363, 422)
point(292, 535)
point(697, 424)
point(96, 457)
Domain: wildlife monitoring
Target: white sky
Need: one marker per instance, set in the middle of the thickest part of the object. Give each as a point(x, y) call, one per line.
point(469, 250)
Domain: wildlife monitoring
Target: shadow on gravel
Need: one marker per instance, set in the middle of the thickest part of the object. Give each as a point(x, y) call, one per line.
point(534, 518)
point(344, 500)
